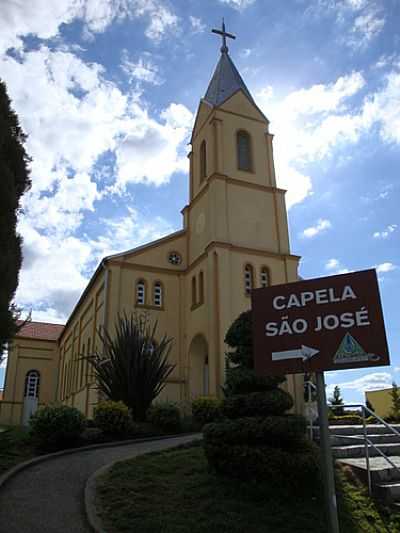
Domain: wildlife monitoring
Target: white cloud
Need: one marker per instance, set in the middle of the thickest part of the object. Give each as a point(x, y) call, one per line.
point(197, 24)
point(373, 381)
point(332, 264)
point(142, 70)
point(149, 151)
point(366, 27)
point(57, 268)
point(312, 231)
point(386, 232)
point(246, 52)
point(385, 267)
point(238, 4)
point(314, 123)
point(43, 18)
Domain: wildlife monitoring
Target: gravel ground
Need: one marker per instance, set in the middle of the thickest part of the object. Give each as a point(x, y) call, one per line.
point(48, 497)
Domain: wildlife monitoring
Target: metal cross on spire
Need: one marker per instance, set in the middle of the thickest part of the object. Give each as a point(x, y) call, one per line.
point(224, 35)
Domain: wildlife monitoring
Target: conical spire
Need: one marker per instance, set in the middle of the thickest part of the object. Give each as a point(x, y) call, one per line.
point(226, 79)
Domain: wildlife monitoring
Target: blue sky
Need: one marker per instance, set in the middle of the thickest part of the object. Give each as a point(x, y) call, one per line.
point(107, 91)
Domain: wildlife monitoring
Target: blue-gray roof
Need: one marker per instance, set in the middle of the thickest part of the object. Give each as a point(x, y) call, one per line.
point(225, 82)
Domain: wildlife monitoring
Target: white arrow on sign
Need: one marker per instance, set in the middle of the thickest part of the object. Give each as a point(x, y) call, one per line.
point(305, 352)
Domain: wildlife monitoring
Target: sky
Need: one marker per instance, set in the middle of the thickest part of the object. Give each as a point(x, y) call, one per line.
point(107, 91)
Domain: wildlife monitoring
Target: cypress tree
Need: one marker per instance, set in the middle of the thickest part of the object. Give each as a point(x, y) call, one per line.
point(14, 181)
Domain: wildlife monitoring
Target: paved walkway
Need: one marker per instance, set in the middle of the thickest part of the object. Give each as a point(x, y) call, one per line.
point(48, 497)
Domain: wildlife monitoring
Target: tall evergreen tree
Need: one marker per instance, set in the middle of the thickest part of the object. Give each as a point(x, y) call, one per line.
point(14, 181)
point(337, 400)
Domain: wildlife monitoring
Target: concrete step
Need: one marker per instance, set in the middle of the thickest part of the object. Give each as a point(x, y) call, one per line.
point(358, 450)
point(381, 470)
point(383, 438)
point(372, 429)
point(388, 492)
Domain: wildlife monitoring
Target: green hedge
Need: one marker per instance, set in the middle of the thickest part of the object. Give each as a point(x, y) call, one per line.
point(350, 420)
point(112, 418)
point(55, 427)
point(165, 416)
point(242, 380)
point(206, 409)
point(272, 402)
point(297, 468)
point(285, 430)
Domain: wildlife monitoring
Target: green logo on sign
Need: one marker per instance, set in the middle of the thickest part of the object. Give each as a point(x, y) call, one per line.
point(350, 351)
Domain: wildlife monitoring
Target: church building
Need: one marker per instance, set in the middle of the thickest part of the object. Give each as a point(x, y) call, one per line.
point(194, 282)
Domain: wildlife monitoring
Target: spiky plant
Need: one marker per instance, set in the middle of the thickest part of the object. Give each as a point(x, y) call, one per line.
point(133, 366)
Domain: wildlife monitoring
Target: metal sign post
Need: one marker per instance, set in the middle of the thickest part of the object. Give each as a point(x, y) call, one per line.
point(330, 323)
point(326, 456)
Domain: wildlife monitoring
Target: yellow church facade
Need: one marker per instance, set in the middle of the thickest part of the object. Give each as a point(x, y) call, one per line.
point(196, 281)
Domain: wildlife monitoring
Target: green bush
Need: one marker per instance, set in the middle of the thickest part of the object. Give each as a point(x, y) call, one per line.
point(285, 430)
point(345, 420)
point(242, 380)
point(165, 416)
point(271, 402)
point(112, 418)
point(206, 409)
point(297, 467)
point(55, 427)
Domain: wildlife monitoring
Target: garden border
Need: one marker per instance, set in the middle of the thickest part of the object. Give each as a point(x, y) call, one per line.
point(47, 457)
point(89, 496)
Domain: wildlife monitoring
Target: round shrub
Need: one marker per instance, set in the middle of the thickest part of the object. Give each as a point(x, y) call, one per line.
point(271, 402)
point(112, 417)
point(55, 427)
point(206, 409)
point(286, 430)
point(165, 416)
point(242, 380)
point(295, 468)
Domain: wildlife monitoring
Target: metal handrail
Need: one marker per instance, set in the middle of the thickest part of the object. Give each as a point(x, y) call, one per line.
point(367, 441)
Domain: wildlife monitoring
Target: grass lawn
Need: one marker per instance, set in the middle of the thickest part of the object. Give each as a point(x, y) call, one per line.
point(173, 492)
point(14, 448)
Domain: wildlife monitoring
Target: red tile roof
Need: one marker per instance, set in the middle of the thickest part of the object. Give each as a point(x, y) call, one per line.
point(41, 330)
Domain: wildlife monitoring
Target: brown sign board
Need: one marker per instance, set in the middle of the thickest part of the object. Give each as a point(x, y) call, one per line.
point(330, 323)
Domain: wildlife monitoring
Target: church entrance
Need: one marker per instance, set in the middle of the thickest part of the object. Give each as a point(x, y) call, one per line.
point(31, 396)
point(198, 367)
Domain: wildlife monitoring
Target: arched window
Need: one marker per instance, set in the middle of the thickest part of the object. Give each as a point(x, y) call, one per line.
point(32, 382)
point(248, 279)
point(243, 143)
point(201, 287)
point(194, 291)
point(264, 277)
point(157, 294)
point(140, 292)
point(203, 160)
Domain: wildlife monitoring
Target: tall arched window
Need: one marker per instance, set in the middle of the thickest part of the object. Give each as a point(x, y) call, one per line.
point(32, 382)
point(201, 287)
point(264, 277)
point(248, 279)
point(194, 291)
point(157, 294)
point(140, 292)
point(203, 160)
point(243, 142)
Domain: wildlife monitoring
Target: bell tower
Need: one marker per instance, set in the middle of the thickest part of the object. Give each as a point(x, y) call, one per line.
point(233, 194)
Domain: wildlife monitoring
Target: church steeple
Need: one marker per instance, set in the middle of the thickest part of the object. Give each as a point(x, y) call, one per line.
point(226, 79)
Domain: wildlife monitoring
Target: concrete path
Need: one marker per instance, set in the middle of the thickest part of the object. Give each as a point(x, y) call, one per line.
point(48, 497)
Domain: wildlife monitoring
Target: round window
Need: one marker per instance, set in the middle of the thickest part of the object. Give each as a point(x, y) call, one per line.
point(174, 258)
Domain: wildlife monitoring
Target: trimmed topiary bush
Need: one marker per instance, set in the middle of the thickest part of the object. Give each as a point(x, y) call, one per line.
point(257, 440)
point(206, 409)
point(165, 416)
point(112, 418)
point(55, 427)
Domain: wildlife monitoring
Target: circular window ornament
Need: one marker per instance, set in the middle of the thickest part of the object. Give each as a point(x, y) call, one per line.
point(174, 258)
